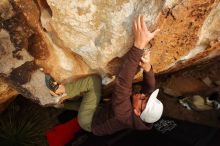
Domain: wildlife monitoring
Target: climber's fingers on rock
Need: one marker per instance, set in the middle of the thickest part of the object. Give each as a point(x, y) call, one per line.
point(134, 25)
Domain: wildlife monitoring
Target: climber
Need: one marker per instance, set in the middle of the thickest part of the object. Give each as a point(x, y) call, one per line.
point(90, 90)
point(137, 111)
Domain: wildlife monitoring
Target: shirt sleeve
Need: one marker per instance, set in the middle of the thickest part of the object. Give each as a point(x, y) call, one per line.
point(121, 103)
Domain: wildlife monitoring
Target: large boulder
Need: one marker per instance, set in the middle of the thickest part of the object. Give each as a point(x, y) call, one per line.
point(70, 39)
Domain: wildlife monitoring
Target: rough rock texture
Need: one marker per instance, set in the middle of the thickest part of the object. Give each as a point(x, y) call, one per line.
point(7, 94)
point(70, 39)
point(203, 80)
point(189, 31)
point(98, 30)
point(200, 79)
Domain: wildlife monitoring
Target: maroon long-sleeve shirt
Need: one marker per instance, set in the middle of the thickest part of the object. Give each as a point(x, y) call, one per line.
point(119, 113)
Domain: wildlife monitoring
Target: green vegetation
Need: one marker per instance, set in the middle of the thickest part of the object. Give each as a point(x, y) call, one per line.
point(24, 124)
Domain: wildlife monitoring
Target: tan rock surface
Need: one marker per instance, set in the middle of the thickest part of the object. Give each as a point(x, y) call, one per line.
point(98, 30)
point(7, 94)
point(181, 28)
point(70, 39)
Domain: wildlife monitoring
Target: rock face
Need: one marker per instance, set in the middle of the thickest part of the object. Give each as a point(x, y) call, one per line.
point(7, 94)
point(70, 39)
point(190, 32)
point(99, 31)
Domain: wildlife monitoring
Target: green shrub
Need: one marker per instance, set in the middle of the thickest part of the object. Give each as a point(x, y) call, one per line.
point(24, 124)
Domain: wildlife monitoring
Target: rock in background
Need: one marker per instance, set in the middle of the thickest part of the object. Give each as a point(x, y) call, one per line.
point(70, 39)
point(7, 94)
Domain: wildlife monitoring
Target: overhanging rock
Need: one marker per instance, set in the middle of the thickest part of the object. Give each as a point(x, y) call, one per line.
point(71, 39)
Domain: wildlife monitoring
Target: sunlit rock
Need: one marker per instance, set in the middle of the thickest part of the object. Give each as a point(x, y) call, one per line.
point(98, 30)
point(74, 38)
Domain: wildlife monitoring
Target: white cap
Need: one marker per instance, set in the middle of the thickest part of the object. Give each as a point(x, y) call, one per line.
point(153, 109)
